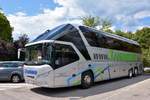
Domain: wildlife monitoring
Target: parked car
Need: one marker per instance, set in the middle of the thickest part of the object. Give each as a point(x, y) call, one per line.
point(11, 71)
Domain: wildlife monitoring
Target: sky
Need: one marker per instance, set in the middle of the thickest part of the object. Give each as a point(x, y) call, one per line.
point(33, 17)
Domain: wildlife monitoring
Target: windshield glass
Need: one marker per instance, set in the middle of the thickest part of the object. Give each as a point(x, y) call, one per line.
point(39, 54)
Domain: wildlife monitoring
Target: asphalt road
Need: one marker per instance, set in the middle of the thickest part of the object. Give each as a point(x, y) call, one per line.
point(7, 86)
point(137, 88)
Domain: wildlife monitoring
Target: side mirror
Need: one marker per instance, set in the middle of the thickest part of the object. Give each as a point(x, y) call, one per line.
point(21, 51)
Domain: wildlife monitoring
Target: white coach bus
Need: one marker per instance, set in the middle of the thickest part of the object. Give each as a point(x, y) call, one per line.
point(70, 55)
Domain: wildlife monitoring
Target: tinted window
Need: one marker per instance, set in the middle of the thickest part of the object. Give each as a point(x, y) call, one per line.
point(64, 54)
point(93, 37)
point(97, 39)
point(138, 49)
point(50, 33)
point(116, 44)
point(90, 36)
point(72, 35)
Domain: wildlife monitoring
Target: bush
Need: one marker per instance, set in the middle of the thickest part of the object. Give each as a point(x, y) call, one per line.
point(146, 62)
point(7, 51)
point(147, 71)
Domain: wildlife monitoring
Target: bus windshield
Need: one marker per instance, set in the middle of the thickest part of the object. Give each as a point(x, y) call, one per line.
point(39, 54)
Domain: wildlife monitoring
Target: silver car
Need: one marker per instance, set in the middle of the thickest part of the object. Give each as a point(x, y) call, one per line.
point(11, 71)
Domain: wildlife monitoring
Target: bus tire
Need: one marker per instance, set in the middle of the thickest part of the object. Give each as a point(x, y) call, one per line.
point(135, 72)
point(141, 70)
point(130, 73)
point(87, 80)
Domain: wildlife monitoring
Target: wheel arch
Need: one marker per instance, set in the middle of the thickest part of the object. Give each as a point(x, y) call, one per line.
point(15, 73)
point(89, 70)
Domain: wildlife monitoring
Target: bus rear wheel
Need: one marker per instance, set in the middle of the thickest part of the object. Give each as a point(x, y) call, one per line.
point(130, 73)
point(135, 71)
point(87, 80)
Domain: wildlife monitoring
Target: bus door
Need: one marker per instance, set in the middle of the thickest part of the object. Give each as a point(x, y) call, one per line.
point(66, 64)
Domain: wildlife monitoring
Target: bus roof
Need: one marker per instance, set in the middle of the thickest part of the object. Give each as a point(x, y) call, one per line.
point(55, 31)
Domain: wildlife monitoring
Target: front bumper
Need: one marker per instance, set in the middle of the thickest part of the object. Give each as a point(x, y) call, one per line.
point(38, 82)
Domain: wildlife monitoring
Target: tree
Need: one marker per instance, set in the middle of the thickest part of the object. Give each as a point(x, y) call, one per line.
point(7, 51)
point(94, 22)
point(20, 44)
point(128, 35)
point(22, 41)
point(106, 25)
point(90, 21)
point(143, 37)
point(5, 29)
point(120, 33)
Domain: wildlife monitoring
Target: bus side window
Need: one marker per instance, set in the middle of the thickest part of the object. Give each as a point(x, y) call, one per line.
point(64, 54)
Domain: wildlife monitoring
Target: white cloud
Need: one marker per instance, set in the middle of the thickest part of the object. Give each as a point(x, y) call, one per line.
point(35, 25)
point(142, 14)
point(124, 12)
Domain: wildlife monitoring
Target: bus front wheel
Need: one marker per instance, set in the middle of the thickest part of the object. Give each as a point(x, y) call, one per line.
point(87, 80)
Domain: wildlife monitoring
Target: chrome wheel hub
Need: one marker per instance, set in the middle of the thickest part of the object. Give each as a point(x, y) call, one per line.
point(135, 71)
point(87, 79)
point(15, 79)
point(130, 74)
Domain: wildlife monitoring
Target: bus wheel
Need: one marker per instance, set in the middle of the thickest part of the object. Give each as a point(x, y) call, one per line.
point(87, 80)
point(135, 71)
point(130, 73)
